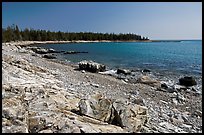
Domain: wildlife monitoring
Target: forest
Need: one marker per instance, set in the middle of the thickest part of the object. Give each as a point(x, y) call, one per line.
point(13, 33)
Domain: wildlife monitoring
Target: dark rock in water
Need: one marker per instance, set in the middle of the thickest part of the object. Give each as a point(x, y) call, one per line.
point(146, 70)
point(91, 66)
point(53, 51)
point(164, 85)
point(73, 52)
point(187, 81)
point(39, 50)
point(49, 57)
point(123, 71)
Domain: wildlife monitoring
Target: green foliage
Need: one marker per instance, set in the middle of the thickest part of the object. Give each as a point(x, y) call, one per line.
point(12, 33)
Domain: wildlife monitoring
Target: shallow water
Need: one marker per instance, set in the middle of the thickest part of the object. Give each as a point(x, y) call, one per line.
point(183, 57)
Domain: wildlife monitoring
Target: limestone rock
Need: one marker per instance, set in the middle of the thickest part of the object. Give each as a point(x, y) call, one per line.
point(91, 66)
point(118, 112)
point(96, 107)
point(130, 117)
point(147, 80)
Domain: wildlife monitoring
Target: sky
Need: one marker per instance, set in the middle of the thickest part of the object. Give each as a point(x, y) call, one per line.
point(156, 20)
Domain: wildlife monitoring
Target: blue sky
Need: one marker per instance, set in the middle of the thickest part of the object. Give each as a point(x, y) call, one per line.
point(156, 20)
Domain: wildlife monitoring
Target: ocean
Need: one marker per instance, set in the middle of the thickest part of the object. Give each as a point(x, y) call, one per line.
point(183, 57)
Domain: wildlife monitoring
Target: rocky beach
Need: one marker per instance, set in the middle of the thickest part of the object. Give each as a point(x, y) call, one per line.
point(41, 94)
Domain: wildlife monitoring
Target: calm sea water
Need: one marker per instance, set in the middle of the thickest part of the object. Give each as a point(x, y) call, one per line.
point(180, 57)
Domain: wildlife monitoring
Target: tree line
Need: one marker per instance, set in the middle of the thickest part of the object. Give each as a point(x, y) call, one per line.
point(13, 33)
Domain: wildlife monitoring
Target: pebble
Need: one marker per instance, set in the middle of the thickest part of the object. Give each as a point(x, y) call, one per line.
point(83, 71)
point(95, 85)
point(175, 101)
point(163, 102)
point(198, 113)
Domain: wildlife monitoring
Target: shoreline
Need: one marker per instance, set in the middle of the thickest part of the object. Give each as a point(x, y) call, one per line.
point(24, 43)
point(38, 81)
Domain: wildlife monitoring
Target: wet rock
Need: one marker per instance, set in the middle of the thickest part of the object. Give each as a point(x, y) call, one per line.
point(53, 51)
point(49, 56)
point(145, 70)
point(164, 85)
point(187, 81)
point(123, 71)
point(73, 52)
point(91, 66)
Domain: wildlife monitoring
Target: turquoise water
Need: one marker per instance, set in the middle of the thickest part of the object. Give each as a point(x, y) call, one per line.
point(182, 57)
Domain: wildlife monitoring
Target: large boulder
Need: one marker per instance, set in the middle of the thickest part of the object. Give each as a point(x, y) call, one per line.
point(187, 81)
point(123, 71)
point(149, 81)
point(117, 112)
point(91, 66)
point(96, 107)
point(129, 117)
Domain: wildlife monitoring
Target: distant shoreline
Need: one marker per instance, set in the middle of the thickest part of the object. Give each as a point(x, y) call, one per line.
point(23, 43)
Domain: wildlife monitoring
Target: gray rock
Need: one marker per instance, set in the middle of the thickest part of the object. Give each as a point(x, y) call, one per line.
point(145, 70)
point(129, 117)
point(118, 112)
point(91, 66)
point(49, 56)
point(197, 113)
point(175, 101)
point(123, 71)
point(96, 107)
point(36, 124)
point(139, 101)
point(164, 85)
point(95, 85)
point(180, 97)
point(147, 80)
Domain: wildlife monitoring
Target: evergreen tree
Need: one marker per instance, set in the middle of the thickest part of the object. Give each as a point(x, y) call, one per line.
point(12, 33)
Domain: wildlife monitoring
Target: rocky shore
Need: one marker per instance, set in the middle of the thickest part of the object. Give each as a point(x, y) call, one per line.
point(42, 95)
